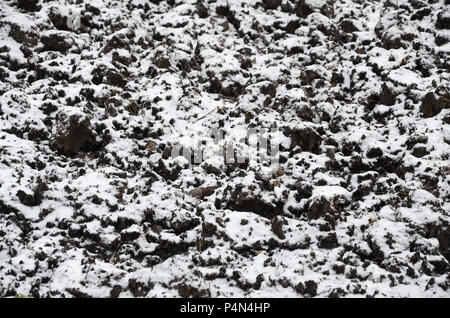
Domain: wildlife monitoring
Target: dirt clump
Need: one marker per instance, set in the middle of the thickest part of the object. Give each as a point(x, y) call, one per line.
point(307, 139)
point(73, 134)
point(277, 228)
point(444, 242)
point(34, 199)
point(431, 106)
point(387, 96)
point(29, 5)
point(330, 241)
point(56, 42)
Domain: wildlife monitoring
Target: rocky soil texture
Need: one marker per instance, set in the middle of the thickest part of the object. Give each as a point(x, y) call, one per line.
point(94, 95)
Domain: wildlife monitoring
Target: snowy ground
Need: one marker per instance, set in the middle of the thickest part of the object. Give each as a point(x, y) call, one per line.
point(95, 95)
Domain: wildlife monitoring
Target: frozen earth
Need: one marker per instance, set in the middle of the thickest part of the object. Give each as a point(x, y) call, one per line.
point(95, 95)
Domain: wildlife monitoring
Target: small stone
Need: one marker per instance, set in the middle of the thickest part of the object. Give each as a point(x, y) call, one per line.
point(202, 192)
